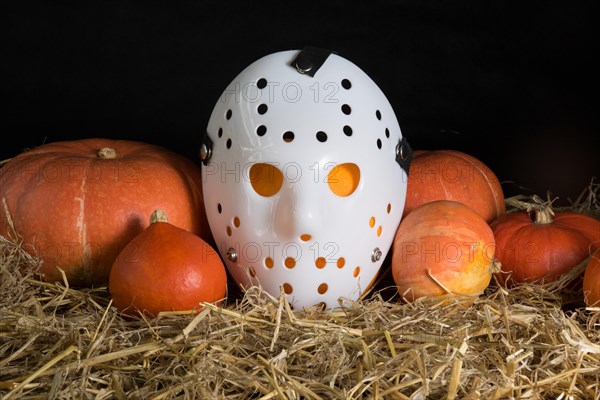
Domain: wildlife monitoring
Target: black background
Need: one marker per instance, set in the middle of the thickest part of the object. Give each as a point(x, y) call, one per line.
point(512, 83)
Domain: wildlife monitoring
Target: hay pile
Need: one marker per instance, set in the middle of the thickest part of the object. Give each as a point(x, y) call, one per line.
point(533, 342)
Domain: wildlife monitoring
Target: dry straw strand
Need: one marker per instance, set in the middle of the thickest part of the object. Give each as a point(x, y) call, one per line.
point(530, 341)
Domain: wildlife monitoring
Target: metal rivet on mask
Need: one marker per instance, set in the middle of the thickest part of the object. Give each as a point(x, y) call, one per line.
point(302, 67)
point(376, 254)
point(205, 152)
point(232, 254)
point(401, 152)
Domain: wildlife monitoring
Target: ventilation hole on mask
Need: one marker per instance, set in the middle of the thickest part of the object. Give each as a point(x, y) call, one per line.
point(288, 136)
point(347, 130)
point(252, 272)
point(372, 222)
point(378, 114)
point(219, 208)
point(379, 144)
point(236, 222)
point(228, 114)
point(321, 136)
point(261, 130)
point(346, 84)
point(379, 229)
point(289, 262)
point(356, 272)
point(389, 208)
point(305, 237)
point(269, 262)
point(387, 133)
point(228, 144)
point(262, 83)
point(320, 262)
point(322, 289)
point(341, 262)
point(220, 133)
point(343, 179)
point(346, 109)
point(287, 288)
point(229, 232)
point(262, 109)
point(266, 179)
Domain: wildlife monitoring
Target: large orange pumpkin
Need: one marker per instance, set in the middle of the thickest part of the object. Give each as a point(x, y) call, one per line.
point(166, 268)
point(76, 204)
point(591, 281)
point(540, 245)
point(457, 176)
point(442, 247)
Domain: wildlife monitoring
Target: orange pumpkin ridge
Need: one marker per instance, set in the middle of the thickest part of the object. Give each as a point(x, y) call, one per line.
point(474, 184)
point(495, 189)
point(591, 281)
point(76, 204)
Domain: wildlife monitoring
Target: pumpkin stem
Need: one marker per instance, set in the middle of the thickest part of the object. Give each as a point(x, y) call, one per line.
point(540, 211)
point(107, 153)
point(158, 216)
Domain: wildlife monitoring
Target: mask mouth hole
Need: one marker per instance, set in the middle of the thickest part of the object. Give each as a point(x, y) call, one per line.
point(322, 289)
point(289, 263)
point(269, 262)
point(320, 262)
point(287, 288)
point(343, 179)
point(305, 237)
point(266, 179)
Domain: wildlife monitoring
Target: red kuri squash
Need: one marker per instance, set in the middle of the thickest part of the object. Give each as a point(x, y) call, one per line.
point(166, 268)
point(76, 204)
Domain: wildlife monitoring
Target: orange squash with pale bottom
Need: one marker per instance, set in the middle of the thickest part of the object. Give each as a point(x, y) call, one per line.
point(442, 247)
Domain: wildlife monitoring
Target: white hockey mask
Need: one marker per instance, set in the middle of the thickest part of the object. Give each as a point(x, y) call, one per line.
point(304, 177)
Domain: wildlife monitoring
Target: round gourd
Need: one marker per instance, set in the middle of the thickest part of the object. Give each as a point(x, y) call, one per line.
point(591, 281)
point(540, 245)
point(453, 175)
point(166, 268)
point(76, 204)
point(442, 247)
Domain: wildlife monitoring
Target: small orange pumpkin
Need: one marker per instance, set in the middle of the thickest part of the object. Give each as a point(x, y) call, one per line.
point(76, 204)
point(591, 281)
point(442, 247)
point(166, 268)
point(540, 245)
point(457, 176)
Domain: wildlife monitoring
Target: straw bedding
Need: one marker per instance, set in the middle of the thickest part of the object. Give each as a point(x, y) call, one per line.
point(529, 342)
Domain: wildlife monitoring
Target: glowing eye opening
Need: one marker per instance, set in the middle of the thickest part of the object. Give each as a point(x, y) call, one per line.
point(266, 179)
point(343, 179)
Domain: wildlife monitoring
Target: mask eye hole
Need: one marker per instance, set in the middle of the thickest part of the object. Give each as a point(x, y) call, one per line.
point(266, 179)
point(343, 179)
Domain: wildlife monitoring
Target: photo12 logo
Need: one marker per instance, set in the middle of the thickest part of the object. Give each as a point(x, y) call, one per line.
point(256, 253)
point(61, 171)
point(270, 92)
